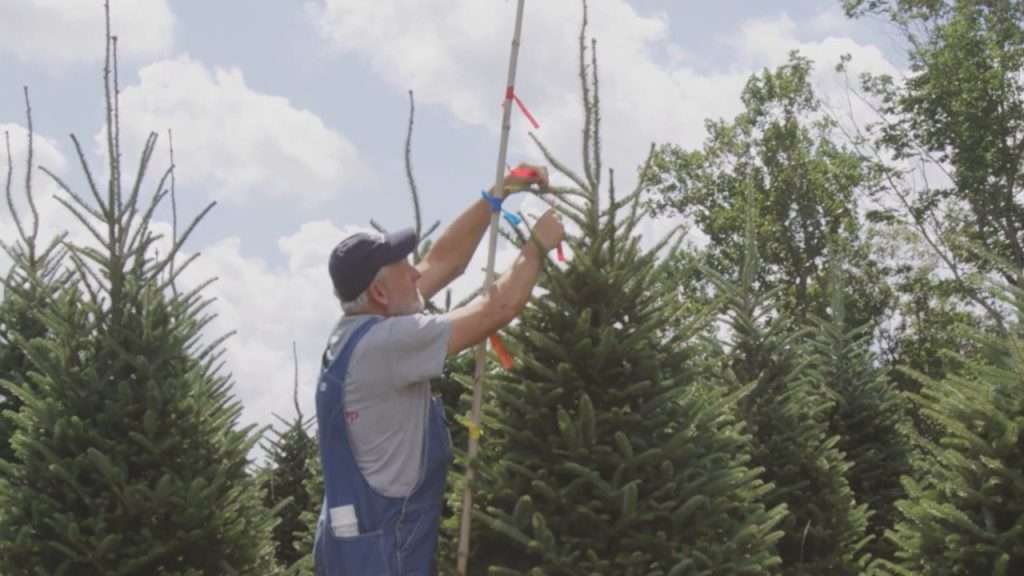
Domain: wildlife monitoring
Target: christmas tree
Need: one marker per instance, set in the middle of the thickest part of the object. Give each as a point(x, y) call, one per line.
point(291, 456)
point(787, 416)
point(129, 458)
point(601, 454)
point(869, 415)
point(29, 286)
point(964, 508)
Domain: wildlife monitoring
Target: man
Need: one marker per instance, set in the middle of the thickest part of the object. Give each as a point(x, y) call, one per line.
point(384, 444)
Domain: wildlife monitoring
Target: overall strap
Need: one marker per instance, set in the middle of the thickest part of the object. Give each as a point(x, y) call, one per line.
point(343, 482)
point(350, 345)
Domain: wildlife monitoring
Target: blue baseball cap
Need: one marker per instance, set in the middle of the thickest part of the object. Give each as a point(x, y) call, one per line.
point(357, 259)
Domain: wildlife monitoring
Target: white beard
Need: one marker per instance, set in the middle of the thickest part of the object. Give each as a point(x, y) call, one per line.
point(414, 307)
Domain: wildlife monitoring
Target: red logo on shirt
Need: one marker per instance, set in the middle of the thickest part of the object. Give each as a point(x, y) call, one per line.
point(351, 416)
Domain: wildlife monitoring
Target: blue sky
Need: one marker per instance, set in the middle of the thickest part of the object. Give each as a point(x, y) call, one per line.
point(292, 116)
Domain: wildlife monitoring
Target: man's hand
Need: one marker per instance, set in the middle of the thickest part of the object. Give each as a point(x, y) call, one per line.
point(523, 176)
point(548, 231)
point(484, 316)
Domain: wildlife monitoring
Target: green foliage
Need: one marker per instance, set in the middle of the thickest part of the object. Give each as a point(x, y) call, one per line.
point(314, 486)
point(925, 333)
point(869, 415)
point(960, 112)
point(607, 457)
point(787, 415)
point(30, 285)
point(602, 455)
point(964, 511)
point(129, 458)
point(804, 193)
point(291, 454)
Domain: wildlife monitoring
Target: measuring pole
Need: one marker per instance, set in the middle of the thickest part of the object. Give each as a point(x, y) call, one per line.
point(481, 349)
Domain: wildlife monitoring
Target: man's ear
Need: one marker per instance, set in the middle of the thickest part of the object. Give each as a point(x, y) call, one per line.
point(376, 292)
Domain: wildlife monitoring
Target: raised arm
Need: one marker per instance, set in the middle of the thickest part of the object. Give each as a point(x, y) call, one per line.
point(450, 254)
point(508, 296)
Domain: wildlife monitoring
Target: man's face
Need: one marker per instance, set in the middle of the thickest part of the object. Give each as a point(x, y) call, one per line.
point(399, 283)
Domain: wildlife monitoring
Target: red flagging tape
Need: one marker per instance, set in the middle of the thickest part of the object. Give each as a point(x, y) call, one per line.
point(526, 113)
point(510, 94)
point(561, 255)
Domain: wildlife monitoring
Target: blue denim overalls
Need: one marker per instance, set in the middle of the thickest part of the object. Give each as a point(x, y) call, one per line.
point(396, 536)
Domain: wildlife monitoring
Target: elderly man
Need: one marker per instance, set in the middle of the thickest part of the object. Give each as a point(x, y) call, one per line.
point(384, 444)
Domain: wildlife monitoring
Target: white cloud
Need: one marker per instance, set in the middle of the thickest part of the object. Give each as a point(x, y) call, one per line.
point(268, 307)
point(271, 307)
point(71, 31)
point(232, 142)
point(455, 54)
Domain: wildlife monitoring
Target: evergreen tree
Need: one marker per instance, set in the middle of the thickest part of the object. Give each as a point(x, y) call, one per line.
point(29, 286)
point(314, 485)
point(601, 454)
point(788, 419)
point(291, 455)
point(869, 416)
point(964, 509)
point(128, 455)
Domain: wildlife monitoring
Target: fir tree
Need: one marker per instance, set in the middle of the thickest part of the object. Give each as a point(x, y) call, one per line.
point(314, 485)
point(964, 509)
point(291, 454)
point(29, 286)
point(128, 455)
point(788, 418)
point(601, 455)
point(869, 415)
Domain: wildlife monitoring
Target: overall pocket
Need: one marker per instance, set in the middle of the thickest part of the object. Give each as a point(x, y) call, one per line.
point(362, 555)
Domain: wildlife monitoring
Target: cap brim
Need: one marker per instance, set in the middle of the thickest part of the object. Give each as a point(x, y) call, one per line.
point(401, 244)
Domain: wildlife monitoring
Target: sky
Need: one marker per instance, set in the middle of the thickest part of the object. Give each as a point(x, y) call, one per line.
point(292, 117)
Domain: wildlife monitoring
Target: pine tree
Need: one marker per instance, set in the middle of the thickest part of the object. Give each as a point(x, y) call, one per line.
point(869, 416)
point(129, 458)
point(314, 485)
point(964, 509)
point(601, 454)
point(30, 284)
point(788, 418)
point(291, 454)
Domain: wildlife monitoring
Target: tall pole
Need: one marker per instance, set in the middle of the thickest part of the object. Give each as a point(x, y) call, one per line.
point(481, 349)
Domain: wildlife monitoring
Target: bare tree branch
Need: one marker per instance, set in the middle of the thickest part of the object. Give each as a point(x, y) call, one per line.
point(409, 175)
point(295, 387)
point(174, 207)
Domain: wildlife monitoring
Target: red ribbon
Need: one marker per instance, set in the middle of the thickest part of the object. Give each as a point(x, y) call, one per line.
point(510, 94)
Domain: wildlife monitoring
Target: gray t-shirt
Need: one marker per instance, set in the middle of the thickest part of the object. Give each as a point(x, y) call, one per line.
point(387, 394)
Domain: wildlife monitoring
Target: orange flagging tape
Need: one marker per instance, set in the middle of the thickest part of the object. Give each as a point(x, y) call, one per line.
point(499, 348)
